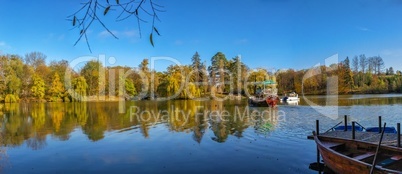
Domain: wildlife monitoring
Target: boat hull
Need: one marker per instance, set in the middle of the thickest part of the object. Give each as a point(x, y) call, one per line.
point(341, 163)
point(263, 102)
point(257, 103)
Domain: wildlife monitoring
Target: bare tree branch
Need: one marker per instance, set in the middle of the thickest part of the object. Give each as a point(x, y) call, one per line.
point(94, 10)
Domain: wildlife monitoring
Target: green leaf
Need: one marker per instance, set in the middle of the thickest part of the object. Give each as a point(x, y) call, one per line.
point(107, 1)
point(117, 1)
point(106, 10)
point(74, 20)
point(151, 40)
point(157, 32)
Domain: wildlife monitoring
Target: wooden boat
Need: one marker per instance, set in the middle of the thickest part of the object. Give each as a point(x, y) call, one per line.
point(351, 156)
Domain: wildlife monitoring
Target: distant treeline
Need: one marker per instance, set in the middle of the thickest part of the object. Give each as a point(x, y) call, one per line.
point(362, 75)
point(31, 79)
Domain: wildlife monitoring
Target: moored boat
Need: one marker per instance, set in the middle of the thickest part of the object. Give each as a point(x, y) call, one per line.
point(292, 97)
point(352, 156)
point(349, 128)
point(267, 97)
point(386, 130)
point(266, 101)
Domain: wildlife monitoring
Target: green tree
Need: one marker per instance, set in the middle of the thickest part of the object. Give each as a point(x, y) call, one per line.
point(217, 71)
point(38, 87)
point(198, 73)
point(239, 71)
point(129, 86)
point(197, 68)
point(93, 72)
point(13, 84)
point(391, 71)
point(346, 82)
point(146, 75)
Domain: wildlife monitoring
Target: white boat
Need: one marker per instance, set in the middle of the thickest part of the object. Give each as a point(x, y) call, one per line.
point(292, 97)
point(290, 102)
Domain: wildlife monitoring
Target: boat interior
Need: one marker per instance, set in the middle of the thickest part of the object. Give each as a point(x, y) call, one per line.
point(387, 158)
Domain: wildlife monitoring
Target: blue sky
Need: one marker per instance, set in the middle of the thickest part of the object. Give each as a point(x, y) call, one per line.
point(276, 34)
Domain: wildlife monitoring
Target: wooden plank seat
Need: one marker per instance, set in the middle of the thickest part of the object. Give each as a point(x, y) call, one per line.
point(364, 156)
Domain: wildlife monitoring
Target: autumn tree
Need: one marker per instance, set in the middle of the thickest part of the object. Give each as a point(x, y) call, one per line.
point(38, 87)
point(60, 67)
point(79, 88)
point(199, 73)
point(26, 81)
point(175, 81)
point(256, 80)
point(56, 89)
point(286, 80)
point(35, 59)
point(11, 71)
point(93, 72)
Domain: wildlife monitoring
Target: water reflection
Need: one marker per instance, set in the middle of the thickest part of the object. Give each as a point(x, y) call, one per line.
point(153, 137)
point(30, 123)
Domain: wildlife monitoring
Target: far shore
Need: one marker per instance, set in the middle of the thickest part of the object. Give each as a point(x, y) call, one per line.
point(229, 97)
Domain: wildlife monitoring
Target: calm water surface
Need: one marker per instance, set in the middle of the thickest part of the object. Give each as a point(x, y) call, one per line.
point(176, 136)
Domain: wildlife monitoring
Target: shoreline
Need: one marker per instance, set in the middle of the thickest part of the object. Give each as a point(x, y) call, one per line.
point(117, 99)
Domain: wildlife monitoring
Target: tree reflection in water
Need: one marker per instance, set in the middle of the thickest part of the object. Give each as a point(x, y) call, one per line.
point(30, 123)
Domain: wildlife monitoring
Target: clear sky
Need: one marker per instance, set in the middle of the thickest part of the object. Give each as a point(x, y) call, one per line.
point(266, 33)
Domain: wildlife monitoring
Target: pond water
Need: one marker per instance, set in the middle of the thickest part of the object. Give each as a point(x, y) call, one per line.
point(177, 136)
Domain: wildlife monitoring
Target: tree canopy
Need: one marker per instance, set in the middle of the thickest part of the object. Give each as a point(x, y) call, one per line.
point(34, 79)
